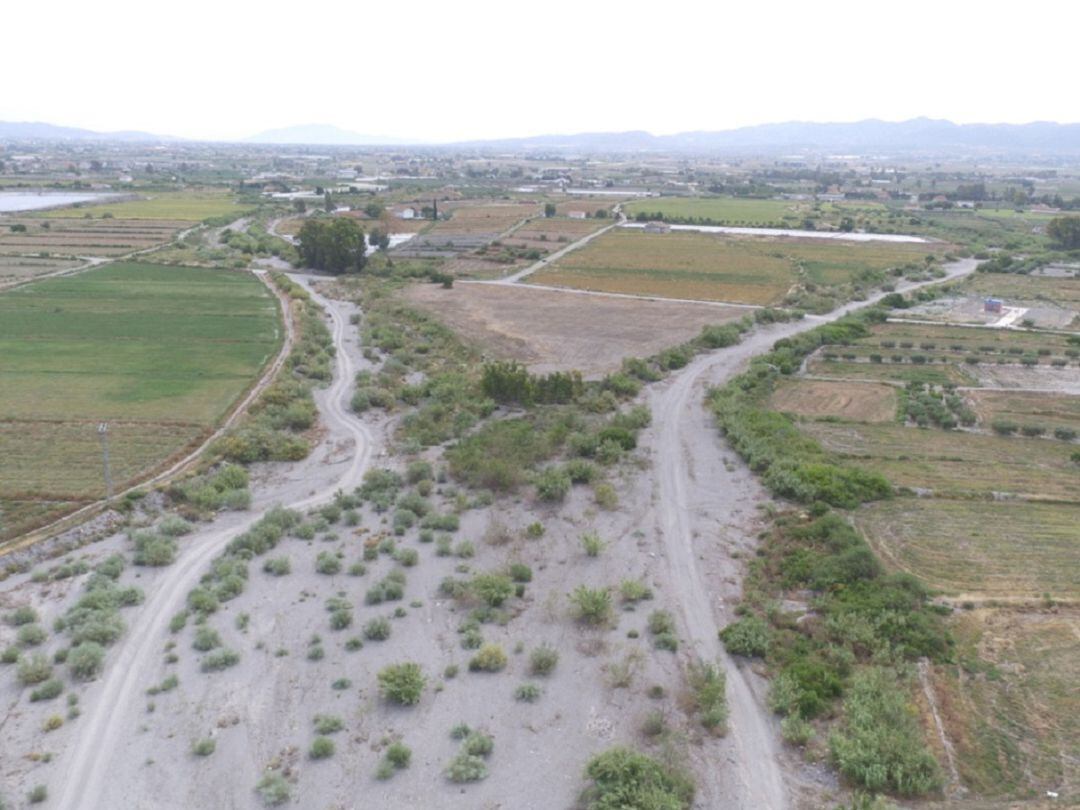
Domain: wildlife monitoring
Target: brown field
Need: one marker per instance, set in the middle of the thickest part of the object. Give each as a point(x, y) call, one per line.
point(551, 331)
point(1063, 291)
point(858, 402)
point(675, 265)
point(1010, 703)
point(979, 548)
point(587, 204)
point(469, 218)
point(18, 268)
point(955, 463)
point(87, 237)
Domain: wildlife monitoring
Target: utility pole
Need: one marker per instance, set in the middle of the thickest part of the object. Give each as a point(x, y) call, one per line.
point(103, 433)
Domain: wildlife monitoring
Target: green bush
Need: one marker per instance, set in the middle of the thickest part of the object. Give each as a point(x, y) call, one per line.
point(273, 789)
point(489, 658)
point(47, 691)
point(31, 635)
point(85, 660)
point(527, 693)
point(21, 615)
point(592, 544)
point(492, 589)
point(552, 484)
point(321, 748)
point(206, 638)
point(879, 745)
point(592, 605)
point(708, 686)
point(34, 669)
point(627, 780)
point(466, 768)
point(204, 747)
point(219, 660)
point(399, 755)
point(327, 563)
point(402, 683)
point(377, 629)
point(748, 637)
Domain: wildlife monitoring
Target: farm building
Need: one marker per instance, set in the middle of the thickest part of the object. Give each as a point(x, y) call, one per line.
point(657, 227)
point(576, 214)
point(993, 305)
point(407, 213)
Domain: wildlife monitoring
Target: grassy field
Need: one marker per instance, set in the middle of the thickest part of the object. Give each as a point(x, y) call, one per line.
point(190, 206)
point(975, 547)
point(483, 218)
point(748, 270)
point(727, 210)
point(161, 353)
point(1010, 705)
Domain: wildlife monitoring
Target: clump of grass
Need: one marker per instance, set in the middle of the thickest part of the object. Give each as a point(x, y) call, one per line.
point(206, 639)
point(591, 605)
point(662, 627)
point(634, 590)
point(37, 794)
point(219, 660)
point(273, 789)
point(327, 563)
point(402, 683)
point(377, 629)
point(489, 658)
point(543, 659)
point(397, 757)
point(708, 686)
point(528, 693)
point(204, 747)
point(321, 748)
point(48, 690)
point(592, 544)
point(277, 566)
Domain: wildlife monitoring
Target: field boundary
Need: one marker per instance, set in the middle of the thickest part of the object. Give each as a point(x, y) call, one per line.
point(235, 412)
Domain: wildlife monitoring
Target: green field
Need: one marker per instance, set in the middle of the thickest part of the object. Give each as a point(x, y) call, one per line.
point(191, 206)
point(713, 267)
point(728, 210)
point(161, 353)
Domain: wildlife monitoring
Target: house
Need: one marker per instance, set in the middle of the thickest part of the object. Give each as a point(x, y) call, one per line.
point(993, 305)
point(407, 213)
point(657, 227)
point(576, 214)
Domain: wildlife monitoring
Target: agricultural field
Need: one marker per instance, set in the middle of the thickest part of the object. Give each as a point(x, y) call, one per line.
point(482, 218)
point(857, 402)
point(60, 237)
point(712, 267)
point(722, 210)
point(14, 269)
point(189, 206)
point(159, 353)
point(557, 331)
point(1010, 702)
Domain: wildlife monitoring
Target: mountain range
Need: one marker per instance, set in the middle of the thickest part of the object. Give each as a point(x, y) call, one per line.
point(860, 137)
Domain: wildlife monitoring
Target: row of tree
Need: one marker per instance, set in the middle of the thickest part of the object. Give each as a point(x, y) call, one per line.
point(334, 245)
point(509, 382)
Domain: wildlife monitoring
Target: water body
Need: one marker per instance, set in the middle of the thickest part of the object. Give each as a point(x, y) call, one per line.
point(11, 201)
point(835, 235)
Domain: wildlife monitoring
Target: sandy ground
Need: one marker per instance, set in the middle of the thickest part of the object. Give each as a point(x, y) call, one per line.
point(552, 330)
point(687, 519)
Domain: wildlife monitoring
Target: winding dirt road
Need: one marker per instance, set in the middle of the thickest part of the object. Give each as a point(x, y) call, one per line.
point(110, 706)
point(697, 493)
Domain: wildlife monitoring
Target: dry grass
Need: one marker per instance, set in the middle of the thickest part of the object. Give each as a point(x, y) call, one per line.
point(87, 237)
point(1026, 408)
point(1012, 714)
point(859, 402)
point(980, 548)
point(551, 330)
point(469, 218)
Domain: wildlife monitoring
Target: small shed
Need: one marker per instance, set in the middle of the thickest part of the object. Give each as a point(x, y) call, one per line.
point(993, 305)
point(657, 227)
point(407, 213)
point(576, 214)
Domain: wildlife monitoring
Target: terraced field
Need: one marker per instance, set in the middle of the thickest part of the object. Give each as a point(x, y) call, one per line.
point(159, 353)
point(68, 237)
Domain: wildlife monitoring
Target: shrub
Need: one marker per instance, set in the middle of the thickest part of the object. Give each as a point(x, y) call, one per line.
point(402, 683)
point(592, 605)
point(660, 622)
point(489, 658)
point(407, 557)
point(340, 619)
point(321, 748)
point(1065, 434)
point(748, 637)
point(34, 669)
point(466, 768)
point(377, 629)
point(1004, 427)
point(399, 755)
point(204, 747)
point(47, 691)
point(273, 789)
point(85, 660)
point(592, 544)
point(795, 730)
point(492, 589)
point(625, 779)
point(605, 496)
point(519, 572)
point(219, 660)
point(477, 744)
point(328, 723)
point(552, 484)
point(634, 590)
point(709, 689)
point(527, 693)
point(31, 635)
point(153, 549)
point(10, 655)
point(879, 745)
point(277, 566)
point(38, 794)
point(534, 531)
point(206, 638)
point(327, 563)
point(543, 659)
point(21, 615)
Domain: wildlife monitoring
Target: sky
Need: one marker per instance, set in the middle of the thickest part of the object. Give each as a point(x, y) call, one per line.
point(472, 69)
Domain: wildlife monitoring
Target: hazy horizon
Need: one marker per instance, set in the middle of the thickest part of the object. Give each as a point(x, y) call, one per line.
point(473, 71)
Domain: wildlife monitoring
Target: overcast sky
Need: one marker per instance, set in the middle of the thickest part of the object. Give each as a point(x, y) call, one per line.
point(450, 70)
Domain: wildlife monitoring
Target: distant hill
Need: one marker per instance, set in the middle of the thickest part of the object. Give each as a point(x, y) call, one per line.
point(916, 135)
point(38, 131)
point(321, 135)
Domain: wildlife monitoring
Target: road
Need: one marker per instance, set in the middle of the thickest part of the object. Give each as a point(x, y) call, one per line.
point(110, 709)
point(697, 495)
